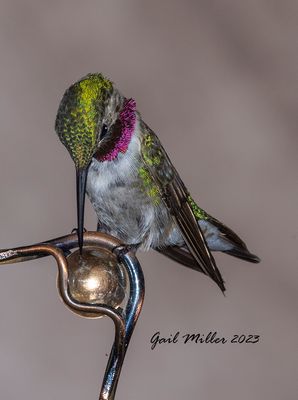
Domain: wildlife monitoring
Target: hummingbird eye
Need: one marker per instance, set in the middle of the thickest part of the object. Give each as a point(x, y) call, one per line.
point(104, 131)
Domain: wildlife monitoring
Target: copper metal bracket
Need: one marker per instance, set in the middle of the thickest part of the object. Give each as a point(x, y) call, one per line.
point(124, 318)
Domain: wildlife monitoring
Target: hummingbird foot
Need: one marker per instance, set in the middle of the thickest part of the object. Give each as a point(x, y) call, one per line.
point(122, 249)
point(75, 230)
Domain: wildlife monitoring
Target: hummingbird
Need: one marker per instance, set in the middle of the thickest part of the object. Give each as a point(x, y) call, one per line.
point(134, 188)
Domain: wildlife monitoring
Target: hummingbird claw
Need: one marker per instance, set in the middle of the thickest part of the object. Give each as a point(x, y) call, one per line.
point(122, 249)
point(75, 230)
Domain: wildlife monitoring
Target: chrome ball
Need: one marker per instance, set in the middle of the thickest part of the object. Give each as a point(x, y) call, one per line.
point(96, 277)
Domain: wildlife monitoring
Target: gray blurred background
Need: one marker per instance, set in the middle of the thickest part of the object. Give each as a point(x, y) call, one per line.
point(217, 80)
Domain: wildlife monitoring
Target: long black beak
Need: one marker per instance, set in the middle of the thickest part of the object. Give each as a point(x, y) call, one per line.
point(81, 190)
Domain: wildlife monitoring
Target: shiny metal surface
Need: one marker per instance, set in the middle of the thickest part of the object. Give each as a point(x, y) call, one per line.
point(96, 277)
point(94, 285)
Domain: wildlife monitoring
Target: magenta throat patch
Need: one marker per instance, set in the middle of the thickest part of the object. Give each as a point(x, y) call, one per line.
point(128, 120)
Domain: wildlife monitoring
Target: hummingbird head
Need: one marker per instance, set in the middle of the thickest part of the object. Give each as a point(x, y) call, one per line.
point(93, 121)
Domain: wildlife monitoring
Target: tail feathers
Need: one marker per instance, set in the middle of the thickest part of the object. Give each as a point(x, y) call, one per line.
point(180, 255)
point(238, 247)
point(243, 254)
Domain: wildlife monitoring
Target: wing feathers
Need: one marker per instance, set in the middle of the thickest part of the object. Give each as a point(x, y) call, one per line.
point(195, 241)
point(175, 196)
point(180, 255)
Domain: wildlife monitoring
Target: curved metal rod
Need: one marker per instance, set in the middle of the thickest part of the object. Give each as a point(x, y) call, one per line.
point(124, 324)
point(132, 312)
point(65, 243)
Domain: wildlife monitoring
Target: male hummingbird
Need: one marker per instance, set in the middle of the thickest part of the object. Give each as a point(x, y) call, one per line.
point(135, 190)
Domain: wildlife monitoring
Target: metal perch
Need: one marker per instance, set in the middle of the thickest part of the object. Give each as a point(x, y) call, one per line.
point(90, 285)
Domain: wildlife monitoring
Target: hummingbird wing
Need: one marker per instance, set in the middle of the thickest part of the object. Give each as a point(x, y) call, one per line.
point(180, 255)
point(175, 196)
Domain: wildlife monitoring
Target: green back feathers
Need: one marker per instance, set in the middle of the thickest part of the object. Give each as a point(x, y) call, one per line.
point(199, 213)
point(157, 171)
point(79, 112)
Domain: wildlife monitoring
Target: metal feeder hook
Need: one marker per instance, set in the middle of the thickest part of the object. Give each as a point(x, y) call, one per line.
point(86, 300)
